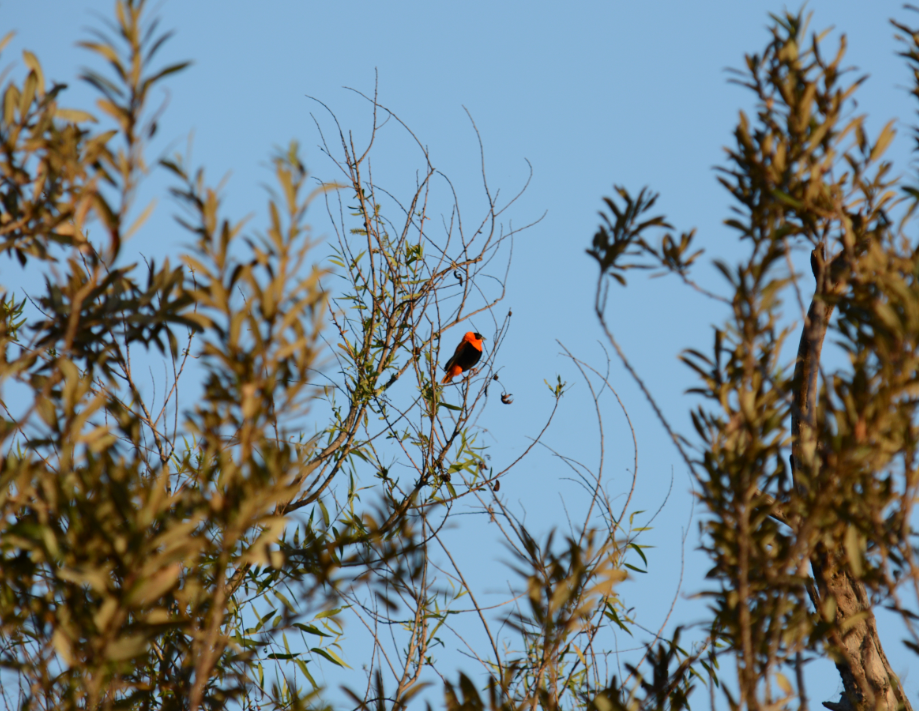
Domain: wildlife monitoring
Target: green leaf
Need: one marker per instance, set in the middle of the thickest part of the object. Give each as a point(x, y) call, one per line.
point(638, 550)
point(302, 664)
point(311, 629)
point(331, 613)
point(855, 545)
point(325, 512)
point(331, 656)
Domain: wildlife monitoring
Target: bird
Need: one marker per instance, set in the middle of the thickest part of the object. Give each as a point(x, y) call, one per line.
point(465, 356)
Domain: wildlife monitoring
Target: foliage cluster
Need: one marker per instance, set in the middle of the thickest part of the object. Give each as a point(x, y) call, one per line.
point(298, 461)
point(801, 554)
point(302, 462)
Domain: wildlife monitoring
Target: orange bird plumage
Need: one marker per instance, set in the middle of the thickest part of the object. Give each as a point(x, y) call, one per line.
point(465, 356)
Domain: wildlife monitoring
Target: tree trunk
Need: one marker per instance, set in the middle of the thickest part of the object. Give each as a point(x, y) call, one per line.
point(868, 681)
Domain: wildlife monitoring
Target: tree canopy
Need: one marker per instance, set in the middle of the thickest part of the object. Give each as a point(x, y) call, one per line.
point(300, 458)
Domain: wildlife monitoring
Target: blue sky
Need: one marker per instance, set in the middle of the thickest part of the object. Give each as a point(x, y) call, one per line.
point(592, 93)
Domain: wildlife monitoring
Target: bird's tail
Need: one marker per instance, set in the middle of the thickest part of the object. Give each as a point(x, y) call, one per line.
point(451, 373)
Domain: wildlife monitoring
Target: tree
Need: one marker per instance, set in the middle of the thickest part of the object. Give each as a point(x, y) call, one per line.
point(807, 471)
point(302, 459)
point(301, 456)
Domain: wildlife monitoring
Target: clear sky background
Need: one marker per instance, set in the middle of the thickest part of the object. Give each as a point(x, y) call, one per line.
point(591, 93)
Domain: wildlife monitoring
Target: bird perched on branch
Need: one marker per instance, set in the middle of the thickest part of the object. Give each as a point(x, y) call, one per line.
point(465, 356)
